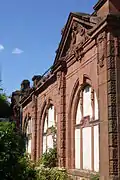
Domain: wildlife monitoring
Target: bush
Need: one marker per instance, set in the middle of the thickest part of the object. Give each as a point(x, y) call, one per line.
point(47, 169)
point(58, 174)
point(51, 174)
point(5, 110)
point(49, 159)
point(43, 173)
point(94, 177)
point(26, 169)
point(13, 163)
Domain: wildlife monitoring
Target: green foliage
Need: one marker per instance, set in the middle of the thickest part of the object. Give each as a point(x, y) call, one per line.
point(94, 177)
point(13, 164)
point(47, 166)
point(49, 159)
point(26, 169)
point(48, 163)
point(43, 173)
point(47, 169)
point(52, 174)
point(5, 110)
point(16, 165)
point(58, 174)
point(54, 137)
point(3, 97)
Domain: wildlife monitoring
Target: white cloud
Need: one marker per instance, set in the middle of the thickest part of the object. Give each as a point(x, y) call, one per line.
point(17, 51)
point(1, 47)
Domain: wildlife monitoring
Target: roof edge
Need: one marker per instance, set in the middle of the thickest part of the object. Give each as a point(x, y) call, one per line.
point(99, 5)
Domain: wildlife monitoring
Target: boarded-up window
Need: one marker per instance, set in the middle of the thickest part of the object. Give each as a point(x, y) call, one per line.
point(87, 164)
point(87, 131)
point(77, 148)
point(49, 122)
point(29, 129)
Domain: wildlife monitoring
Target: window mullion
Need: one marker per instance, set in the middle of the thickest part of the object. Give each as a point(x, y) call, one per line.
point(55, 122)
point(81, 148)
point(92, 104)
point(81, 136)
point(92, 135)
point(47, 130)
point(81, 104)
point(92, 144)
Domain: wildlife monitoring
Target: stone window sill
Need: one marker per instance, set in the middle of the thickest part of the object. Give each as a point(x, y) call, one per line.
point(80, 173)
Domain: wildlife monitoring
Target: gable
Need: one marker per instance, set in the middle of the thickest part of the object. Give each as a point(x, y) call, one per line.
point(75, 33)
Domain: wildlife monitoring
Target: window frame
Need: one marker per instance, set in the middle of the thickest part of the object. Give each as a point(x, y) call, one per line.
point(49, 129)
point(89, 123)
point(28, 133)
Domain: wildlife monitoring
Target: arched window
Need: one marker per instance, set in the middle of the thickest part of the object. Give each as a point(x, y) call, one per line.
point(87, 131)
point(29, 135)
point(49, 124)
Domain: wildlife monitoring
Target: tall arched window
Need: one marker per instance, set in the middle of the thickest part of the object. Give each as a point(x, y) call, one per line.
point(87, 131)
point(29, 135)
point(49, 124)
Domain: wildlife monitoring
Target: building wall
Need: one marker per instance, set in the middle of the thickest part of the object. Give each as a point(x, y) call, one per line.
point(92, 144)
point(64, 99)
point(66, 144)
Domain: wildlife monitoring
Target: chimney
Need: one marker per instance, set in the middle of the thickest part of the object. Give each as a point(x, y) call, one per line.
point(35, 79)
point(25, 85)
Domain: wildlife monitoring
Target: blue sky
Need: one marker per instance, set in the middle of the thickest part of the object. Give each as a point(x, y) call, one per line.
point(30, 31)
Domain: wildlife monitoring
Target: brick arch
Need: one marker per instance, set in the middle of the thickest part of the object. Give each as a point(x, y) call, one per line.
point(72, 97)
point(87, 80)
point(45, 106)
point(39, 129)
point(25, 125)
point(73, 103)
point(25, 122)
point(77, 85)
point(69, 134)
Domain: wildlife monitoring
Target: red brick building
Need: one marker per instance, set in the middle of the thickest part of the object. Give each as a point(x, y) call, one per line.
point(79, 95)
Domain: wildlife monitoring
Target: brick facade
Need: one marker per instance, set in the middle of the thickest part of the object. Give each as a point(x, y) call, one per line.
point(88, 53)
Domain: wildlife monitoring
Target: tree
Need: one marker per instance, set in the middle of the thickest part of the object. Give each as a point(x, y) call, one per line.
point(5, 110)
point(13, 164)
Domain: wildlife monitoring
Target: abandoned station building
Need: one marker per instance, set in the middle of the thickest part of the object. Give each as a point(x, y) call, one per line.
point(79, 95)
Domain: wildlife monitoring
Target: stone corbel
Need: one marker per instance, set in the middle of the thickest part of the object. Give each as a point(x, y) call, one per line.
point(59, 77)
point(101, 48)
point(78, 54)
point(48, 103)
point(28, 116)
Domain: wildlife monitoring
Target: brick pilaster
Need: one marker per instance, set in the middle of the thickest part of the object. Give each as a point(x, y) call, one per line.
point(34, 125)
point(112, 109)
point(62, 119)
